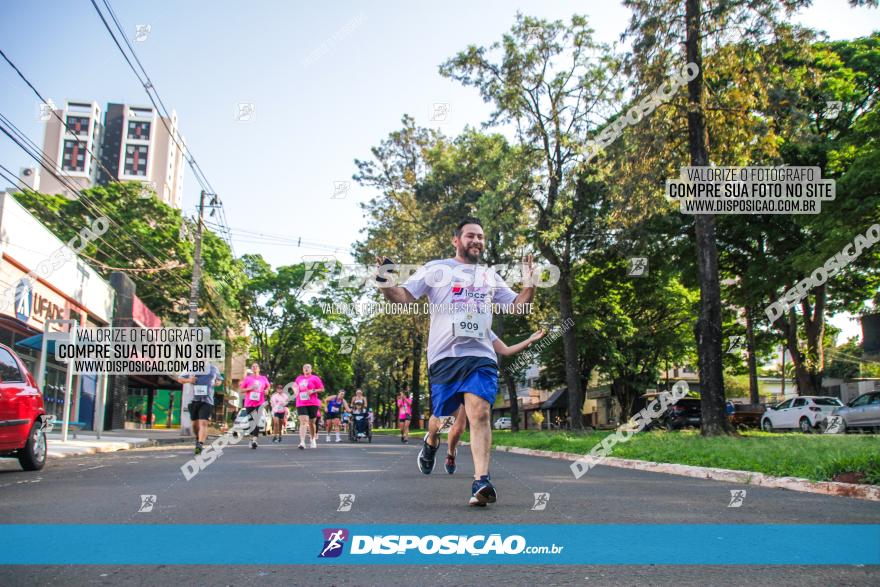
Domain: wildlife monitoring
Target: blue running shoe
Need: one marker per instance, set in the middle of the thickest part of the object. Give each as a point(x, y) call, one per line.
point(450, 463)
point(482, 492)
point(427, 456)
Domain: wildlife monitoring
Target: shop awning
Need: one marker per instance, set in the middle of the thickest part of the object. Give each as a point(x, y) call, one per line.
point(36, 342)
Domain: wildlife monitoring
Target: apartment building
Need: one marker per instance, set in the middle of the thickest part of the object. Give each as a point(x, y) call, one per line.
point(132, 143)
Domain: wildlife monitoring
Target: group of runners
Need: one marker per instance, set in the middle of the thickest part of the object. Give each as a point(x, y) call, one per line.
point(306, 391)
point(462, 362)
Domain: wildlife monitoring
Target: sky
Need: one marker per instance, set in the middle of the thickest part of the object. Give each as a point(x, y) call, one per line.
point(326, 81)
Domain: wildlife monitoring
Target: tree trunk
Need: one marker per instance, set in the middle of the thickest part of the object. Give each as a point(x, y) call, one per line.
point(569, 345)
point(415, 382)
point(625, 394)
point(754, 398)
point(801, 376)
point(814, 331)
point(514, 404)
point(714, 420)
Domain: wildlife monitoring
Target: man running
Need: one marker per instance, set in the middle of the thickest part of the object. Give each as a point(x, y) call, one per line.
point(307, 387)
point(462, 367)
point(202, 405)
point(404, 413)
point(254, 387)
point(278, 401)
point(336, 405)
point(457, 427)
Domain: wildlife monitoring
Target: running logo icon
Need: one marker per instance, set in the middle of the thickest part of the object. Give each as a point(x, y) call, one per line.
point(638, 267)
point(541, 500)
point(346, 500)
point(736, 343)
point(737, 496)
point(147, 503)
point(346, 345)
point(334, 540)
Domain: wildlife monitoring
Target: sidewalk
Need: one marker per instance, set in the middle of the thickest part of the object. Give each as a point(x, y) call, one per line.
point(110, 441)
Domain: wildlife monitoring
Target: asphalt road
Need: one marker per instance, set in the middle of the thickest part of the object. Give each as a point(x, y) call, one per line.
point(388, 488)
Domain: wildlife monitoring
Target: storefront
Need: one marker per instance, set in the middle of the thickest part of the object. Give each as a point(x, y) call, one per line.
point(35, 288)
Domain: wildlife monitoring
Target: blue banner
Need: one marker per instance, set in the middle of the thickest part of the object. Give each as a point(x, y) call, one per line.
point(661, 544)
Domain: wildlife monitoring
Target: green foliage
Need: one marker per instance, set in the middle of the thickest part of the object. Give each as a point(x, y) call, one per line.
point(145, 241)
point(286, 329)
point(737, 386)
point(811, 456)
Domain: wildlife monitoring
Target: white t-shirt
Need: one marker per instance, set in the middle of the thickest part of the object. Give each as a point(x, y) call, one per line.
point(460, 327)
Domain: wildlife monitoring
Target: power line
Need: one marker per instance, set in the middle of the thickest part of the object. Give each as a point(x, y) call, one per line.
point(254, 237)
point(163, 114)
point(151, 91)
point(26, 144)
point(46, 163)
point(27, 188)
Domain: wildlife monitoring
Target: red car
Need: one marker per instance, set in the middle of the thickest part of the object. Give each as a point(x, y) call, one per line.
point(23, 419)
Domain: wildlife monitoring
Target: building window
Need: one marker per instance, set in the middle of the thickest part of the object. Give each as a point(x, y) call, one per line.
point(139, 130)
point(136, 160)
point(74, 158)
point(78, 125)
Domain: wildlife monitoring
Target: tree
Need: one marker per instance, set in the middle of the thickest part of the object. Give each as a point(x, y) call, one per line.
point(398, 223)
point(659, 28)
point(285, 328)
point(145, 242)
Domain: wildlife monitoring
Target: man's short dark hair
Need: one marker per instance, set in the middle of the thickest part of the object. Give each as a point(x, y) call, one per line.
point(464, 221)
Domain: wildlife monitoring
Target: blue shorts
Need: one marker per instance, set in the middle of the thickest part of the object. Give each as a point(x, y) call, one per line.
point(452, 377)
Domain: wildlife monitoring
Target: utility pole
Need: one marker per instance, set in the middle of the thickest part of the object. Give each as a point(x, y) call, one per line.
point(197, 266)
point(185, 421)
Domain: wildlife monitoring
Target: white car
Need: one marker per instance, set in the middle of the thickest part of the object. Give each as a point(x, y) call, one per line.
point(502, 423)
point(241, 424)
point(806, 413)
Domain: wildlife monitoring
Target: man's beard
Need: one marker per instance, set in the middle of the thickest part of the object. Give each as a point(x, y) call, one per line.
point(465, 253)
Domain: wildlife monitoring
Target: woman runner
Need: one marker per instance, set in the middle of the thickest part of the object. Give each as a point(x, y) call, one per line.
point(404, 413)
point(279, 401)
point(307, 387)
point(335, 406)
point(254, 387)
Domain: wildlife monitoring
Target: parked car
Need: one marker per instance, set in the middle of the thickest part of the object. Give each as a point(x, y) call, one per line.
point(502, 423)
point(23, 420)
point(746, 415)
point(861, 413)
point(683, 413)
point(806, 413)
point(266, 422)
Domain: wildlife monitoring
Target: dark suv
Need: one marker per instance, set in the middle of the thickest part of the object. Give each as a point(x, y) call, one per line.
point(685, 412)
point(23, 419)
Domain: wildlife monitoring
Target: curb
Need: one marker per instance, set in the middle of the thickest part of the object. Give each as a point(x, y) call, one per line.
point(858, 491)
point(115, 447)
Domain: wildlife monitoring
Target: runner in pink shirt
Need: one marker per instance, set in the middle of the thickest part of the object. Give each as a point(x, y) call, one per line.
point(279, 401)
point(404, 413)
point(254, 387)
point(307, 387)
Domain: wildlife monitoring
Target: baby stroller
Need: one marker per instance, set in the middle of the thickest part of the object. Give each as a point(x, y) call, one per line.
point(359, 427)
